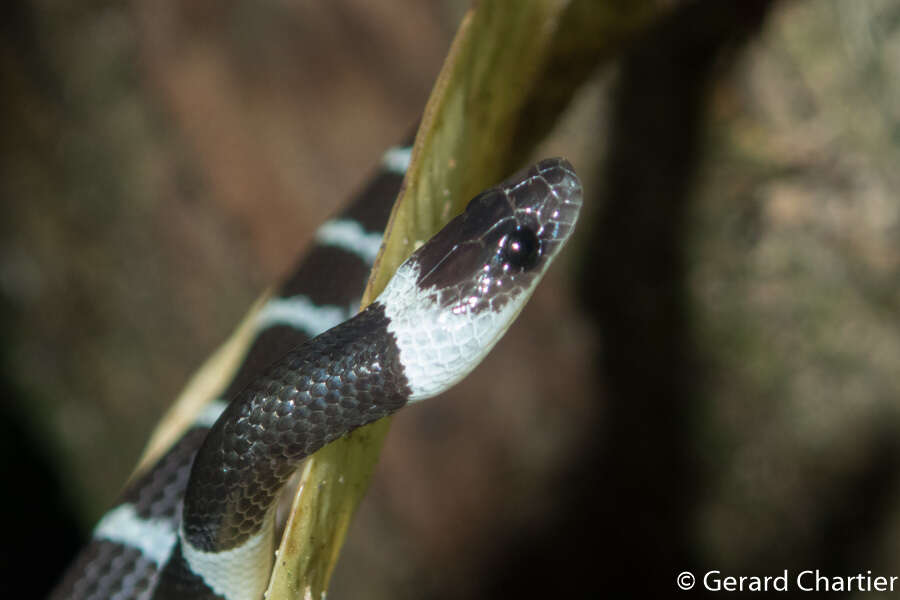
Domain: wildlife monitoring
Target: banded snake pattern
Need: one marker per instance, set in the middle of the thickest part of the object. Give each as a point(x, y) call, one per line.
point(198, 524)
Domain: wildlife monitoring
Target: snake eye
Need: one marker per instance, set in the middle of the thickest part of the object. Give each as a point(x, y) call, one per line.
point(520, 249)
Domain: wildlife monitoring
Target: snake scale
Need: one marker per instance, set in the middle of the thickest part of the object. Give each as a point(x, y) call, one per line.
point(199, 523)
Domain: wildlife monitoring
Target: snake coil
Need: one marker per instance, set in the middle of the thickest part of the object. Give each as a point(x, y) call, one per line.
point(198, 525)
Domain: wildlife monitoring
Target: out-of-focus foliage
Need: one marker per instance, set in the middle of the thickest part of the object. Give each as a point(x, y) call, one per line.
point(795, 274)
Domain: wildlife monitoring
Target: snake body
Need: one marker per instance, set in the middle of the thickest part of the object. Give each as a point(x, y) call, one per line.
point(198, 525)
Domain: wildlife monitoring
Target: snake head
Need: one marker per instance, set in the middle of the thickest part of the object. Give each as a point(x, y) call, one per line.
point(455, 296)
point(497, 249)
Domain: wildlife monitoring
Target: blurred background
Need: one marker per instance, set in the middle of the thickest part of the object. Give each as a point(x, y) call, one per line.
point(708, 380)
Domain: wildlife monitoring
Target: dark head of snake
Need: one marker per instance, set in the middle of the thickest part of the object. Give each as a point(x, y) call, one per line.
point(494, 250)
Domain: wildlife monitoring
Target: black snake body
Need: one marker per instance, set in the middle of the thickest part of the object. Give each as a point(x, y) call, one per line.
point(198, 523)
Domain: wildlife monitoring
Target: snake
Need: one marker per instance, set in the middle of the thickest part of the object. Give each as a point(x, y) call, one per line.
point(198, 524)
